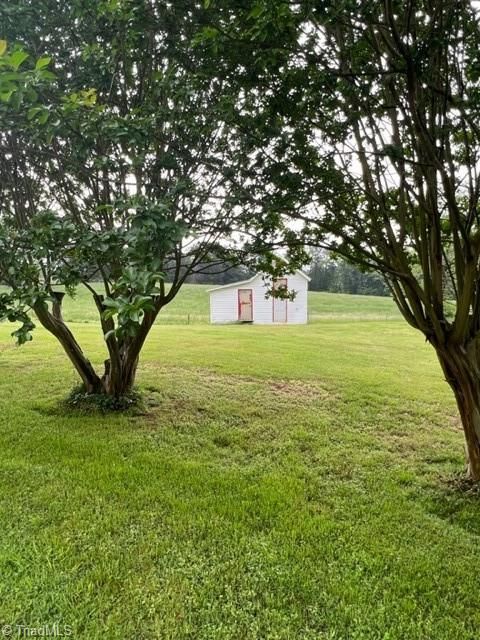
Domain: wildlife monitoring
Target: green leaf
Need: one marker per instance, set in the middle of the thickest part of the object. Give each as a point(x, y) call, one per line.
point(3, 47)
point(45, 74)
point(109, 313)
point(43, 62)
point(256, 11)
point(109, 302)
point(31, 113)
point(42, 119)
point(18, 58)
point(209, 33)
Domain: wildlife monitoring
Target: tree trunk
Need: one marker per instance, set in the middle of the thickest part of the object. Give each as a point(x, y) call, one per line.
point(55, 325)
point(118, 381)
point(461, 365)
point(120, 370)
point(121, 367)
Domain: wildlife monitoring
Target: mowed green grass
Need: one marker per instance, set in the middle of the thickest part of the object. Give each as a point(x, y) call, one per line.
point(191, 306)
point(282, 483)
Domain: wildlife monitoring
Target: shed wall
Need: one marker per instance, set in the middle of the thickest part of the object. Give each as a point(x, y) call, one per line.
point(224, 302)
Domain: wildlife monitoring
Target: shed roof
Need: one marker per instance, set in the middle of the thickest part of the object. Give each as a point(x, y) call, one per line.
point(242, 282)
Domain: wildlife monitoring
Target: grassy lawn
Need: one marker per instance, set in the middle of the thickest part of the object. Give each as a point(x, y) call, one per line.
point(284, 483)
point(190, 306)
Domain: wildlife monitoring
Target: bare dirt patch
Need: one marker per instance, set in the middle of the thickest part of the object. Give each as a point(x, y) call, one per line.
point(285, 388)
point(290, 388)
point(455, 422)
point(195, 396)
point(297, 389)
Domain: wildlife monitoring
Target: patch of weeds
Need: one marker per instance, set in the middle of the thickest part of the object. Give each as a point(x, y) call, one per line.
point(453, 498)
point(222, 441)
point(460, 484)
point(152, 388)
point(405, 477)
point(91, 403)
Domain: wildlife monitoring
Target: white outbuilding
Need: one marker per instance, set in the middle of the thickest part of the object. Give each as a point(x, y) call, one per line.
point(247, 301)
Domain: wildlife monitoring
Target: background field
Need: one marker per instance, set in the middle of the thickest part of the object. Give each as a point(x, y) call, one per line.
point(282, 483)
point(191, 306)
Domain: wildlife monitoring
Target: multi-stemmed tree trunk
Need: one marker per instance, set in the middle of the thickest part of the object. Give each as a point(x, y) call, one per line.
point(120, 368)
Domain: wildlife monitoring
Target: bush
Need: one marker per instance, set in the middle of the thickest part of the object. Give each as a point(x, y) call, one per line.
point(85, 402)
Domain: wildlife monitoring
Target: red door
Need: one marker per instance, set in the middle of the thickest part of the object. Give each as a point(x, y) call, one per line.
point(280, 305)
point(245, 305)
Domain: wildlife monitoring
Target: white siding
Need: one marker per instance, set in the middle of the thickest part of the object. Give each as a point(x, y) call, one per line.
point(224, 305)
point(224, 301)
point(298, 309)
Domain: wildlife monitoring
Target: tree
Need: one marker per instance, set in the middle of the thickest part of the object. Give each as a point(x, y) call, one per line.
point(332, 274)
point(360, 124)
point(322, 271)
point(113, 171)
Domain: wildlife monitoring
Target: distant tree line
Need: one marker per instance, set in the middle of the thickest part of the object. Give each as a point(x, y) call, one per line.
point(327, 274)
point(220, 274)
point(217, 270)
point(338, 276)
